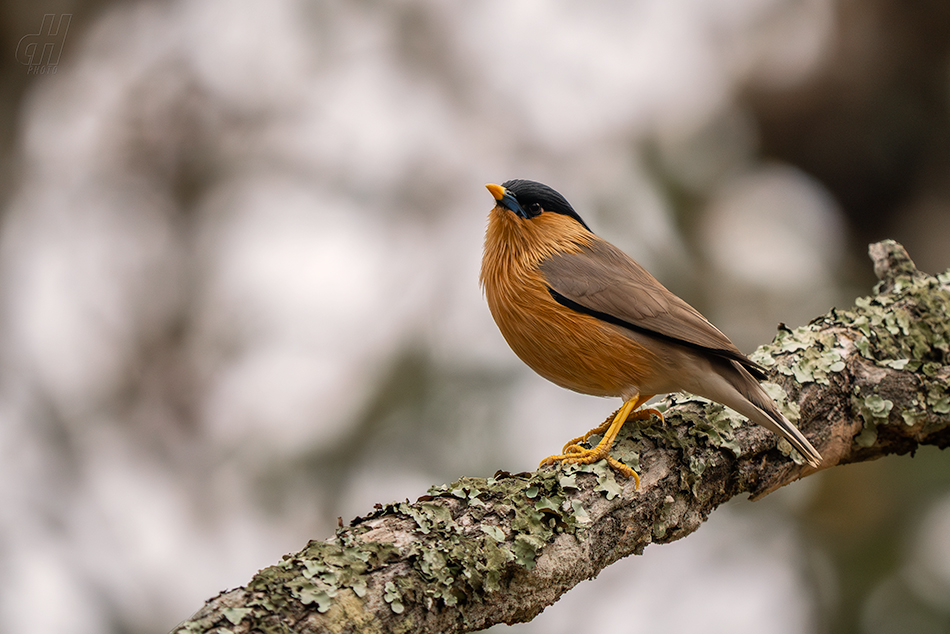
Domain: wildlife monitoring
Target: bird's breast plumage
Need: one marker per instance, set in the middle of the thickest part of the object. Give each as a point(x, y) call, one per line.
point(572, 349)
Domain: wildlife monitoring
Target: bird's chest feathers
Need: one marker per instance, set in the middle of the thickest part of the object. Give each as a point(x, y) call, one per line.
point(514, 250)
point(552, 339)
point(532, 322)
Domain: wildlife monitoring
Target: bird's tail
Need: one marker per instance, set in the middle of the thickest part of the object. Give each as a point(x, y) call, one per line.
point(762, 410)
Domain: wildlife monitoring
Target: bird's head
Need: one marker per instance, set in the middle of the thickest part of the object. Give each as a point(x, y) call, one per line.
point(529, 199)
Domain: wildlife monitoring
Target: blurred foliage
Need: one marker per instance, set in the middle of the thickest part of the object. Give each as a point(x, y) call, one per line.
point(873, 123)
point(865, 518)
point(423, 412)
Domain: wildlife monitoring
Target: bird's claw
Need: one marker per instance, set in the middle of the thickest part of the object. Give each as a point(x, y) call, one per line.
point(575, 454)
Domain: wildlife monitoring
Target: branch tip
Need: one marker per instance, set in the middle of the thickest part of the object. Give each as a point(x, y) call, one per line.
point(891, 260)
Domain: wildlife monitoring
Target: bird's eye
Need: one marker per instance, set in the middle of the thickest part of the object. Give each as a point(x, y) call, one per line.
point(534, 209)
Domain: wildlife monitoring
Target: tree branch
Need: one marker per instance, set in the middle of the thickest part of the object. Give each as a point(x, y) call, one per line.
point(860, 383)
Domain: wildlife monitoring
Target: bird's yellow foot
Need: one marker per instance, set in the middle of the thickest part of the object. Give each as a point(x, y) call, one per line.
point(642, 414)
point(596, 431)
point(574, 453)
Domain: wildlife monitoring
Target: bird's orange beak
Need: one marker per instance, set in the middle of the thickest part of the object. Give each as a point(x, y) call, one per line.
point(497, 191)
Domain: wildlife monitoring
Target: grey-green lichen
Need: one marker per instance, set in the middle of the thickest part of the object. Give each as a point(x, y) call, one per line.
point(318, 575)
point(671, 517)
point(710, 428)
point(809, 354)
point(894, 334)
point(712, 425)
point(469, 534)
point(888, 329)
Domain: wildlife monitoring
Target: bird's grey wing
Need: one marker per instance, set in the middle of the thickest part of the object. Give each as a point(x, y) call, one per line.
point(603, 281)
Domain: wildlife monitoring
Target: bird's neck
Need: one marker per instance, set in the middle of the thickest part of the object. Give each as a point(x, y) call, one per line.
point(514, 246)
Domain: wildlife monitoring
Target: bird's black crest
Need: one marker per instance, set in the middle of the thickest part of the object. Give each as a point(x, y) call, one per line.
point(528, 192)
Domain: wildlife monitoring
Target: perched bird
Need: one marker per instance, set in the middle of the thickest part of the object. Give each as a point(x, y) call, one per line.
point(584, 315)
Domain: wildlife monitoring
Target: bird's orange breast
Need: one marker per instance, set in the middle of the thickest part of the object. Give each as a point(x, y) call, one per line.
point(572, 349)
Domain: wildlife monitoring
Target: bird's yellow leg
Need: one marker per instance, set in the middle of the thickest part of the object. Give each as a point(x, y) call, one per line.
point(575, 454)
point(573, 446)
point(596, 431)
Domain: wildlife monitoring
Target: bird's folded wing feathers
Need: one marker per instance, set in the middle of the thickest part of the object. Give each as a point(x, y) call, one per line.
point(605, 282)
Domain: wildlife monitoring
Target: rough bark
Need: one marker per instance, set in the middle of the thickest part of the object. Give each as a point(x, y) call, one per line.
point(860, 383)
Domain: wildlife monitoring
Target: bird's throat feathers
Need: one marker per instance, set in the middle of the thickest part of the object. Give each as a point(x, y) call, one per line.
point(516, 246)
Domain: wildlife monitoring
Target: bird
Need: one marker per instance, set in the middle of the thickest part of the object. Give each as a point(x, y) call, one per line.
point(586, 316)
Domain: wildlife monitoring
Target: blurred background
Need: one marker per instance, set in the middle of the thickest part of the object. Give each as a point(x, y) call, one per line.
point(239, 250)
